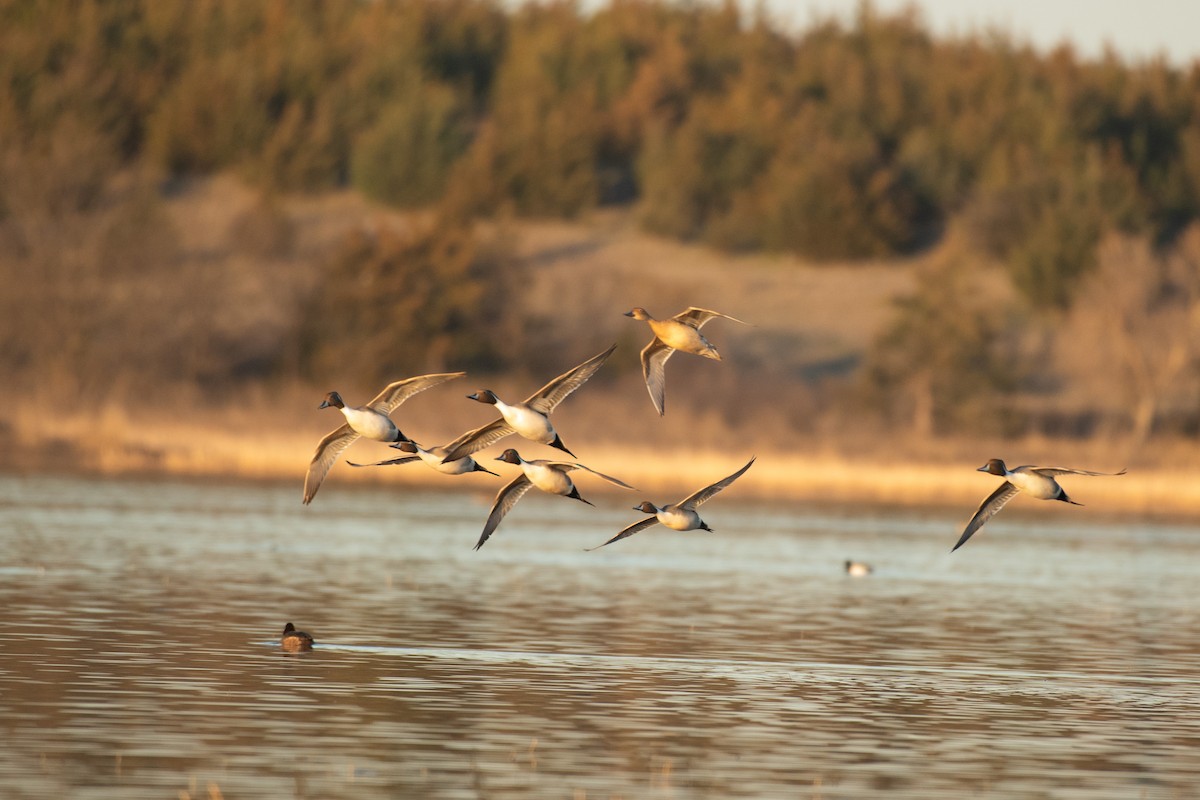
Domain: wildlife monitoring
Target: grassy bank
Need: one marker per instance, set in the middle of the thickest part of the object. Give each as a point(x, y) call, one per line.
point(263, 439)
point(780, 394)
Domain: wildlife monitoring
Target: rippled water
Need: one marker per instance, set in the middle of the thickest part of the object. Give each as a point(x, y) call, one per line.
point(1051, 657)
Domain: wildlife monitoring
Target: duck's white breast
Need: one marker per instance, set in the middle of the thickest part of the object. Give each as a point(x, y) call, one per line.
point(528, 423)
point(548, 479)
point(434, 459)
point(370, 424)
point(1034, 485)
point(680, 336)
point(679, 519)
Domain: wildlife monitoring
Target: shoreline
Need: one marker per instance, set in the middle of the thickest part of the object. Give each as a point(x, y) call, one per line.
point(274, 442)
point(821, 479)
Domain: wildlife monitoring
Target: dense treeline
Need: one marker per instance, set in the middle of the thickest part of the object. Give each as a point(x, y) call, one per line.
point(710, 122)
point(835, 142)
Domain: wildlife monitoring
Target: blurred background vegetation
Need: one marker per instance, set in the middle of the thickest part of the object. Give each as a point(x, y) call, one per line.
point(1076, 182)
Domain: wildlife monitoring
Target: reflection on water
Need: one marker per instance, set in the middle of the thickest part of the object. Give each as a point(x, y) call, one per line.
point(140, 656)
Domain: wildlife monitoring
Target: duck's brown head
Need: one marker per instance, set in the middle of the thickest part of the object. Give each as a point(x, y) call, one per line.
point(994, 466)
point(509, 456)
point(484, 396)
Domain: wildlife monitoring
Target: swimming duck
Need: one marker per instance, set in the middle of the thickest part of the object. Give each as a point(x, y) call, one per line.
point(858, 569)
point(549, 476)
point(1034, 481)
point(434, 457)
point(681, 516)
point(293, 640)
point(681, 332)
point(530, 418)
point(371, 421)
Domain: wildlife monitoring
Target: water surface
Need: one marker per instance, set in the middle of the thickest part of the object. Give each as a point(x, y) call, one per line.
point(1054, 656)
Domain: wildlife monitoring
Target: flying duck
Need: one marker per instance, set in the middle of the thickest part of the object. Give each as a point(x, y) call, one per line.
point(681, 332)
point(434, 457)
point(371, 421)
point(531, 418)
point(549, 476)
point(681, 516)
point(1034, 481)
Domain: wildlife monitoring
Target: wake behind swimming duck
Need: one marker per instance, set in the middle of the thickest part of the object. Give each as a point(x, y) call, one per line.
point(1034, 481)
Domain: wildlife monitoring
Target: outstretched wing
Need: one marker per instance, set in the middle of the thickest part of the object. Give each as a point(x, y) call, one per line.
point(549, 396)
point(654, 369)
point(640, 525)
point(506, 498)
point(708, 491)
point(1052, 471)
point(396, 393)
point(696, 317)
point(476, 440)
point(567, 466)
point(987, 509)
point(328, 450)
point(390, 461)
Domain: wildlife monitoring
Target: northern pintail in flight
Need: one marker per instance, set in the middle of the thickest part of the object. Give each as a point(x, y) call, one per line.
point(293, 640)
point(434, 457)
point(1034, 481)
point(681, 516)
point(681, 332)
point(549, 476)
point(530, 418)
point(371, 421)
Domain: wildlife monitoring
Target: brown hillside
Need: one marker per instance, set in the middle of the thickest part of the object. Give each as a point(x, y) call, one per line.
point(809, 323)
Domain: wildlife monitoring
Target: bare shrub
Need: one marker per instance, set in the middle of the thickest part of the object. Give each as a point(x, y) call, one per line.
point(950, 361)
point(264, 231)
point(1132, 339)
point(428, 299)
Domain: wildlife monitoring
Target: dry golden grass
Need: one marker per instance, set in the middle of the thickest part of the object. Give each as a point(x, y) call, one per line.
point(257, 442)
point(582, 278)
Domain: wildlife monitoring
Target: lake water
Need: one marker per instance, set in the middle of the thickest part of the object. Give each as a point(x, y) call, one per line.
point(1056, 655)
